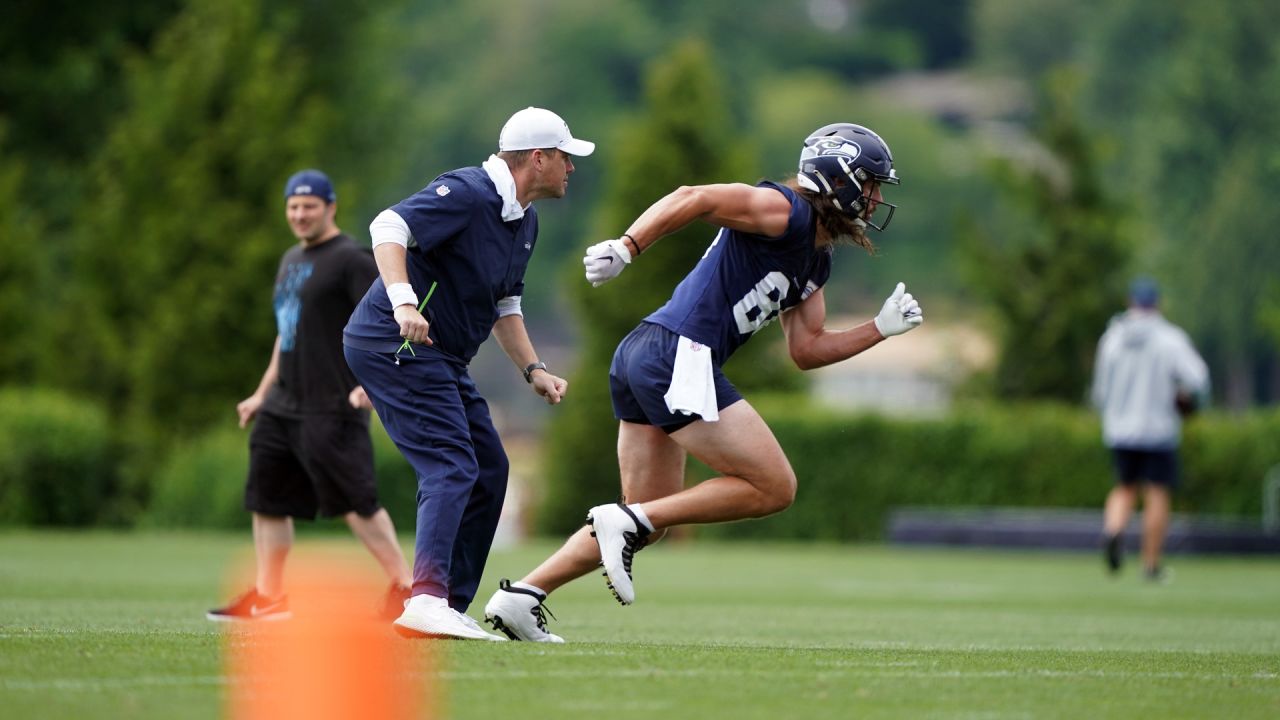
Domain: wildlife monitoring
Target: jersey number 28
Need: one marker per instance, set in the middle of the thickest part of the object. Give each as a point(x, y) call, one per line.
point(761, 304)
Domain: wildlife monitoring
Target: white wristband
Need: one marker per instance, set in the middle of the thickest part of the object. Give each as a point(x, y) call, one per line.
point(401, 294)
point(509, 305)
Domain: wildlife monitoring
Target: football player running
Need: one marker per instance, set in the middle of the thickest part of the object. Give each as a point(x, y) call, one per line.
point(770, 259)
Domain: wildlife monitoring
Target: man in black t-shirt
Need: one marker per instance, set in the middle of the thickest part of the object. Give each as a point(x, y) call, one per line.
point(309, 451)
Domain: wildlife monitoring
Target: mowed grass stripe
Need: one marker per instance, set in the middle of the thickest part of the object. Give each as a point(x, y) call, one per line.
point(111, 625)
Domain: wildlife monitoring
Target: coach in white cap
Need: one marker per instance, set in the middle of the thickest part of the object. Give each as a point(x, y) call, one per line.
point(533, 128)
point(451, 263)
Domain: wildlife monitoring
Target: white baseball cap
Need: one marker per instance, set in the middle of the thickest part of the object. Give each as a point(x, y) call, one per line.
point(534, 128)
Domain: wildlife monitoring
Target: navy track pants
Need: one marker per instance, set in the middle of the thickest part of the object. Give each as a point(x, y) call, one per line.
point(435, 415)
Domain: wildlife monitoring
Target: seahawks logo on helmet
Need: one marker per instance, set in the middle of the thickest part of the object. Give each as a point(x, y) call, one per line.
point(837, 146)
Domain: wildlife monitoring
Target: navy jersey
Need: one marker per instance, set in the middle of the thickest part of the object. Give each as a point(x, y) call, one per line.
point(744, 281)
point(461, 243)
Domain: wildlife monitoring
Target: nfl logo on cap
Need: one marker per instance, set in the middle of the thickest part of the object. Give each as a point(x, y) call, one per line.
point(534, 128)
point(310, 182)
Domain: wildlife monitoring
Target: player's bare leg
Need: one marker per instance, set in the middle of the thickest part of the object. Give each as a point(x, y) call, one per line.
point(1155, 524)
point(1115, 516)
point(1118, 509)
point(652, 466)
point(379, 535)
point(756, 478)
point(756, 481)
point(272, 540)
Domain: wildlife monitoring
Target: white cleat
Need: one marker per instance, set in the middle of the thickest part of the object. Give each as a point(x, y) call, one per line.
point(519, 613)
point(620, 536)
point(430, 616)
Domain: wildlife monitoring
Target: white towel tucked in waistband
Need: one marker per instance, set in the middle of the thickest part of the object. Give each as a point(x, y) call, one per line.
point(693, 388)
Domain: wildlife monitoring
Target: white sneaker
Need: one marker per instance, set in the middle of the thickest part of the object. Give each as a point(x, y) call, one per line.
point(620, 536)
point(518, 612)
point(471, 623)
point(430, 616)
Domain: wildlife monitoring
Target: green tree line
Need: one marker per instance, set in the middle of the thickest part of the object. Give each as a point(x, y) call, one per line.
point(143, 147)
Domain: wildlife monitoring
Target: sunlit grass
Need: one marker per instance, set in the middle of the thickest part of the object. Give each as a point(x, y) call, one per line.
point(102, 625)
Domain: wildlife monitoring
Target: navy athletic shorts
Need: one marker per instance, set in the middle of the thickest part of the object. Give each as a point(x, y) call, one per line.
point(311, 465)
point(1159, 467)
point(641, 374)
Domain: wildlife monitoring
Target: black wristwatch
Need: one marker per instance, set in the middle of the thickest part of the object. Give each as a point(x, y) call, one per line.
point(528, 371)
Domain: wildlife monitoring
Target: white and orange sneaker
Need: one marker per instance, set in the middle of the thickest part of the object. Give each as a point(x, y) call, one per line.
point(252, 606)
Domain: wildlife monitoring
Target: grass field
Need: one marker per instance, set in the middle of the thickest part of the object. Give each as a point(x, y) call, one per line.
point(106, 626)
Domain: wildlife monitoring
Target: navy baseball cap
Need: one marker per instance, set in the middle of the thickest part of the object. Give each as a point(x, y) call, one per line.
point(310, 182)
point(1144, 292)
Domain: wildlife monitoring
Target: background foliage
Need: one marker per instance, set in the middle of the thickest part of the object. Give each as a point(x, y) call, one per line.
point(57, 462)
point(143, 147)
point(1054, 273)
point(56, 468)
point(855, 468)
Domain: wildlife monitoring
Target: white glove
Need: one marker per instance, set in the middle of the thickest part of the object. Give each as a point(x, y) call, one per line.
point(900, 313)
point(605, 261)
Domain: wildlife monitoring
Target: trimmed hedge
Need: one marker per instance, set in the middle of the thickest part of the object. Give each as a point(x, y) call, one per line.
point(397, 482)
point(58, 466)
point(57, 463)
point(853, 469)
point(201, 483)
point(1225, 458)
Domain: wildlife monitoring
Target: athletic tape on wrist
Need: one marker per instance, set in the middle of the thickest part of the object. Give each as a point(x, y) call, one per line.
point(401, 294)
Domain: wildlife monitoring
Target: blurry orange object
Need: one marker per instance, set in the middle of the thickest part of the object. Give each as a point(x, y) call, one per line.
point(333, 659)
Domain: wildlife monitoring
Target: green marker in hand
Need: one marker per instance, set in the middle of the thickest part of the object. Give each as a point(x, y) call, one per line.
point(421, 306)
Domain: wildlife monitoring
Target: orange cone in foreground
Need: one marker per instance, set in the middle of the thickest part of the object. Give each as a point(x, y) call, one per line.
point(334, 659)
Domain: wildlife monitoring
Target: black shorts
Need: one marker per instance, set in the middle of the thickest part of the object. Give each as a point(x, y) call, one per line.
point(1159, 467)
point(312, 465)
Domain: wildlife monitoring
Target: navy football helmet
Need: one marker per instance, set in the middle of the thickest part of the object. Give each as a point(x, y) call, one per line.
point(839, 159)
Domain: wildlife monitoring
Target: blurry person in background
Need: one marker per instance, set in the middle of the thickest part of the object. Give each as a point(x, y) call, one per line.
point(309, 451)
point(1146, 377)
point(769, 260)
point(451, 262)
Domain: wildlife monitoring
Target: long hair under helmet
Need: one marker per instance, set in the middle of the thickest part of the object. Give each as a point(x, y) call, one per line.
point(838, 160)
